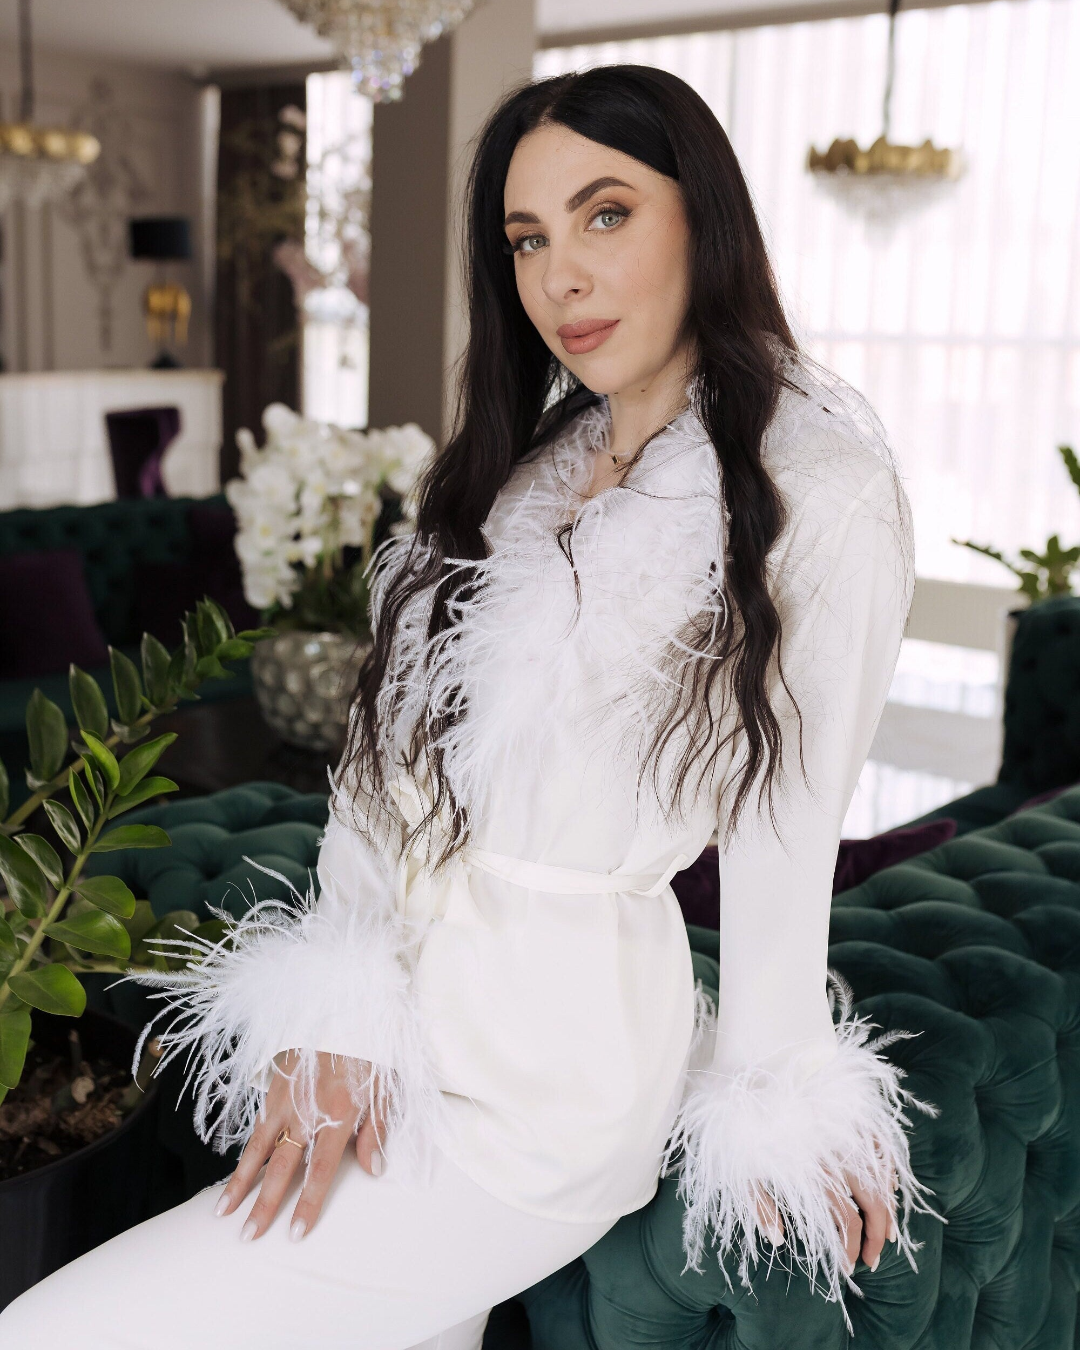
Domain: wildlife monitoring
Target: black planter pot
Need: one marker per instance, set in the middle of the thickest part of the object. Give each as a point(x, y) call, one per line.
point(56, 1213)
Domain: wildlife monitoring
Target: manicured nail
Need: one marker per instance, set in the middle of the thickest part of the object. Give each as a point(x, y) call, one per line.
point(223, 1205)
point(376, 1164)
point(875, 1265)
point(297, 1231)
point(249, 1230)
point(776, 1237)
point(892, 1230)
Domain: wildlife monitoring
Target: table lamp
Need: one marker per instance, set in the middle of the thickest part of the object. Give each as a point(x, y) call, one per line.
point(163, 239)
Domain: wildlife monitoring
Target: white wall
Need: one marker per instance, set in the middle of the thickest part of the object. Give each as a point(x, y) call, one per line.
point(70, 299)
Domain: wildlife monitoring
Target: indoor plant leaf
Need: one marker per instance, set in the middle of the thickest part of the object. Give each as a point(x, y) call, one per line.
point(104, 758)
point(141, 921)
point(52, 989)
point(46, 730)
point(155, 669)
point(24, 879)
point(233, 650)
point(81, 798)
point(94, 932)
point(14, 1039)
point(212, 626)
point(108, 893)
point(137, 763)
point(91, 710)
point(44, 855)
point(132, 836)
point(178, 925)
point(9, 948)
point(64, 823)
point(126, 685)
point(149, 787)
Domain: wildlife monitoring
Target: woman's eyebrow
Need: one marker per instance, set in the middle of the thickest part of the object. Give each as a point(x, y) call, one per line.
point(578, 199)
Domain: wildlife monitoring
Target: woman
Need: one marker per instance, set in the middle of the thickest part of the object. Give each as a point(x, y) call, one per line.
point(656, 589)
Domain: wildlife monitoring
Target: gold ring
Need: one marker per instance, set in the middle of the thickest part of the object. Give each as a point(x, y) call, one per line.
point(284, 1138)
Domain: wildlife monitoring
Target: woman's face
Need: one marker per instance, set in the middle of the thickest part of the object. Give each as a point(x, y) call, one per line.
point(601, 256)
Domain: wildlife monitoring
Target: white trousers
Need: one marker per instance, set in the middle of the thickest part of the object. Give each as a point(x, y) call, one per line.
point(386, 1267)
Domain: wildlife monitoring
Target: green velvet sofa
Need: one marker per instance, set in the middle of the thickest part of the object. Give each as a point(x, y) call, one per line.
point(120, 542)
point(975, 946)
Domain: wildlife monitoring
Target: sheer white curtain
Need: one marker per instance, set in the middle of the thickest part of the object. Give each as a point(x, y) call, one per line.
point(336, 246)
point(962, 325)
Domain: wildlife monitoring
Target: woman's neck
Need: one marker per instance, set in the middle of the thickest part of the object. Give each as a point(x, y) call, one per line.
point(639, 411)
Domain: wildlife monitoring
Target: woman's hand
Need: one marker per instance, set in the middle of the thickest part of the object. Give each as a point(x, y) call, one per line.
point(335, 1100)
point(866, 1222)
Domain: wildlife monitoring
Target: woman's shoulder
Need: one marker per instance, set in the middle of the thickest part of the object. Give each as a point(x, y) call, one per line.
point(828, 454)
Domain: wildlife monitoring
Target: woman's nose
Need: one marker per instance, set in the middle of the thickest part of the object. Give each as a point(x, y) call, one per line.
point(565, 275)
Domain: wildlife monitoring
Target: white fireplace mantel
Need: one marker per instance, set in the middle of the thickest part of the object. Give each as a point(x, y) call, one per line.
point(54, 448)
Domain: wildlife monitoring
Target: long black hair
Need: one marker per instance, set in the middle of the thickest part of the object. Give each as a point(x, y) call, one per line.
point(512, 396)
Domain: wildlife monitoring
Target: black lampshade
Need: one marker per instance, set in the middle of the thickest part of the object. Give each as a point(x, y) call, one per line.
point(160, 238)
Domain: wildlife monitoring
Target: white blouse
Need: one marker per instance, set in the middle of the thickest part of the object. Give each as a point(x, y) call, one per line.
point(531, 1007)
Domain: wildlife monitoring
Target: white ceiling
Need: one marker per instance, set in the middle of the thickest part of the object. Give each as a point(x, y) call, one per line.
point(202, 35)
point(194, 35)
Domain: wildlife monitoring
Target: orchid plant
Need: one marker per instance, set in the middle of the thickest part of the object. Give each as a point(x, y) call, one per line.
point(307, 503)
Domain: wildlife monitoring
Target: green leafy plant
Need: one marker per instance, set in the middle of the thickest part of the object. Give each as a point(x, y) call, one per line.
point(55, 922)
point(1045, 574)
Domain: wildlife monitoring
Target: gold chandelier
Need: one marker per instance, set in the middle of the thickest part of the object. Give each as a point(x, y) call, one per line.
point(39, 164)
point(380, 40)
point(885, 180)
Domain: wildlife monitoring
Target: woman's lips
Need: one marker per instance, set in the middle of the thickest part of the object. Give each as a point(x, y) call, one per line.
point(586, 334)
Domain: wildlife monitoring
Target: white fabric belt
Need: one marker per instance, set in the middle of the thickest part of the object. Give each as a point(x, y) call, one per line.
point(569, 880)
point(545, 877)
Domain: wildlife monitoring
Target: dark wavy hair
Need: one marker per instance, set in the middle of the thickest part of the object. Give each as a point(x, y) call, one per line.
point(514, 395)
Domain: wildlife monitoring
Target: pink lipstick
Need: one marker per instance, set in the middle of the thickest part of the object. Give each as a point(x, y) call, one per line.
point(585, 335)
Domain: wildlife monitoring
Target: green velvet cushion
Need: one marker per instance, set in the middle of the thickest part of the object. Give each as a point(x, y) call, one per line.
point(975, 947)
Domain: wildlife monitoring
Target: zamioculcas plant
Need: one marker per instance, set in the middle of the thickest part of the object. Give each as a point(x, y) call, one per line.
point(1045, 574)
point(55, 922)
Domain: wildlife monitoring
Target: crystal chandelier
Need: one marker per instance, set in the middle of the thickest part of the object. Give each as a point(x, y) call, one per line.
point(380, 40)
point(39, 164)
point(886, 181)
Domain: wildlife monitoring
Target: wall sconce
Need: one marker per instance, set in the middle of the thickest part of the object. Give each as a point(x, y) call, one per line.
point(163, 239)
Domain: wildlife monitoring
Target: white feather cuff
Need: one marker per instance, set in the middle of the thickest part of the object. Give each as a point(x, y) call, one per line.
point(761, 1133)
point(312, 978)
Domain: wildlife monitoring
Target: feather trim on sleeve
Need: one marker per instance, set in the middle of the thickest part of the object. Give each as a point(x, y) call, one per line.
point(310, 976)
point(763, 1133)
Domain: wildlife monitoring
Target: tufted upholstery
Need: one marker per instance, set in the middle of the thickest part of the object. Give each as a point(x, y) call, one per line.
point(975, 947)
point(114, 538)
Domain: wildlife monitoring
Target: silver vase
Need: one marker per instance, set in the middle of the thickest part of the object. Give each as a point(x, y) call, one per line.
point(303, 684)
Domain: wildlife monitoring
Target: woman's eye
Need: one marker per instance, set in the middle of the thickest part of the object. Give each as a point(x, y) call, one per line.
point(609, 217)
point(529, 243)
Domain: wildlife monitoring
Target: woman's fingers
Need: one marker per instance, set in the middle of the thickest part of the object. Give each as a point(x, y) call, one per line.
point(256, 1151)
point(369, 1141)
point(284, 1161)
point(770, 1220)
point(849, 1224)
point(876, 1214)
point(325, 1159)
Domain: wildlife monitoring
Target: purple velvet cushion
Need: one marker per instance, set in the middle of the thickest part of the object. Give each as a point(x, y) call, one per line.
point(697, 887)
point(858, 859)
point(165, 591)
point(47, 617)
